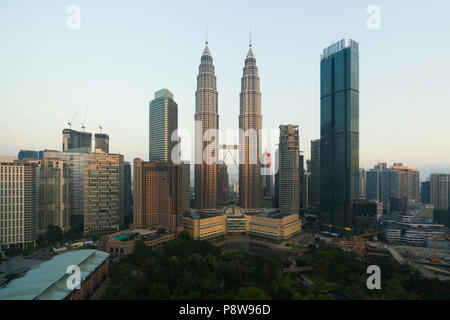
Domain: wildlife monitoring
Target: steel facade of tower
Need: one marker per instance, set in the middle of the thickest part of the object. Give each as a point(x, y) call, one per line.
point(207, 120)
point(163, 121)
point(339, 133)
point(289, 179)
point(250, 124)
point(315, 173)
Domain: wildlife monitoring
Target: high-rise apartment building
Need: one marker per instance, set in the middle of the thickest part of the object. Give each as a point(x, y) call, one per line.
point(19, 216)
point(315, 173)
point(163, 121)
point(440, 191)
point(207, 120)
point(289, 181)
point(127, 195)
point(103, 192)
point(161, 194)
point(339, 133)
point(250, 124)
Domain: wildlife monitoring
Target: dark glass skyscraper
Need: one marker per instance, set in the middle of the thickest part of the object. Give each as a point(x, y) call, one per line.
point(339, 133)
point(315, 173)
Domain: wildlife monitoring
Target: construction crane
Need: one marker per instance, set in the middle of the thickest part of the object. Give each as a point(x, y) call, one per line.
point(361, 243)
point(70, 122)
point(83, 124)
point(435, 239)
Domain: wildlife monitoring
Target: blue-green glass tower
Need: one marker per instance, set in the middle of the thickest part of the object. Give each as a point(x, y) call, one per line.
point(339, 134)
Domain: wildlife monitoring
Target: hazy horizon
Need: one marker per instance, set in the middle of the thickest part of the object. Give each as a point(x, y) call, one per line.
point(124, 52)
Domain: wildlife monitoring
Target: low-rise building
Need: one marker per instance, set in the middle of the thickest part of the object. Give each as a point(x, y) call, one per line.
point(205, 225)
point(266, 223)
point(49, 281)
point(122, 243)
point(409, 229)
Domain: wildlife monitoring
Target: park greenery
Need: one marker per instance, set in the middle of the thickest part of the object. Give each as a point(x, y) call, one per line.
point(346, 272)
point(196, 269)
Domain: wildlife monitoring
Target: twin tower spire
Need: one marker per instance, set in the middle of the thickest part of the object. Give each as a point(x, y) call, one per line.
point(207, 117)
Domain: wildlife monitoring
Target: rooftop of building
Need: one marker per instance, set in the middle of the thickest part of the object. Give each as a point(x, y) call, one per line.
point(163, 93)
point(102, 135)
point(48, 281)
point(235, 211)
point(339, 46)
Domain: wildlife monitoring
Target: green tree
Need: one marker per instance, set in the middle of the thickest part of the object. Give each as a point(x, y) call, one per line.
point(252, 293)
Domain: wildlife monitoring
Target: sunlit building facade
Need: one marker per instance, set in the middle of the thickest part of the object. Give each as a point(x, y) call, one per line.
point(207, 120)
point(250, 124)
point(161, 194)
point(289, 176)
point(19, 208)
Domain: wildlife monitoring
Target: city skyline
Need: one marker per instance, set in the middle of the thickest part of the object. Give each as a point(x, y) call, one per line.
point(65, 89)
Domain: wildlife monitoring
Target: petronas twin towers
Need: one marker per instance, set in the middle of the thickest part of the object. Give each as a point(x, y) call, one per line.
point(250, 123)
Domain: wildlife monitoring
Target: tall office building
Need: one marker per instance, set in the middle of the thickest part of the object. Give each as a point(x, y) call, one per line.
point(373, 182)
point(308, 165)
point(396, 182)
point(53, 184)
point(362, 183)
point(250, 124)
point(73, 139)
point(315, 173)
point(289, 181)
point(307, 189)
point(301, 179)
point(425, 192)
point(267, 175)
point(102, 142)
point(409, 182)
point(339, 133)
point(207, 120)
point(276, 191)
point(222, 180)
point(161, 194)
point(163, 121)
point(96, 189)
point(19, 216)
point(76, 183)
point(440, 191)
